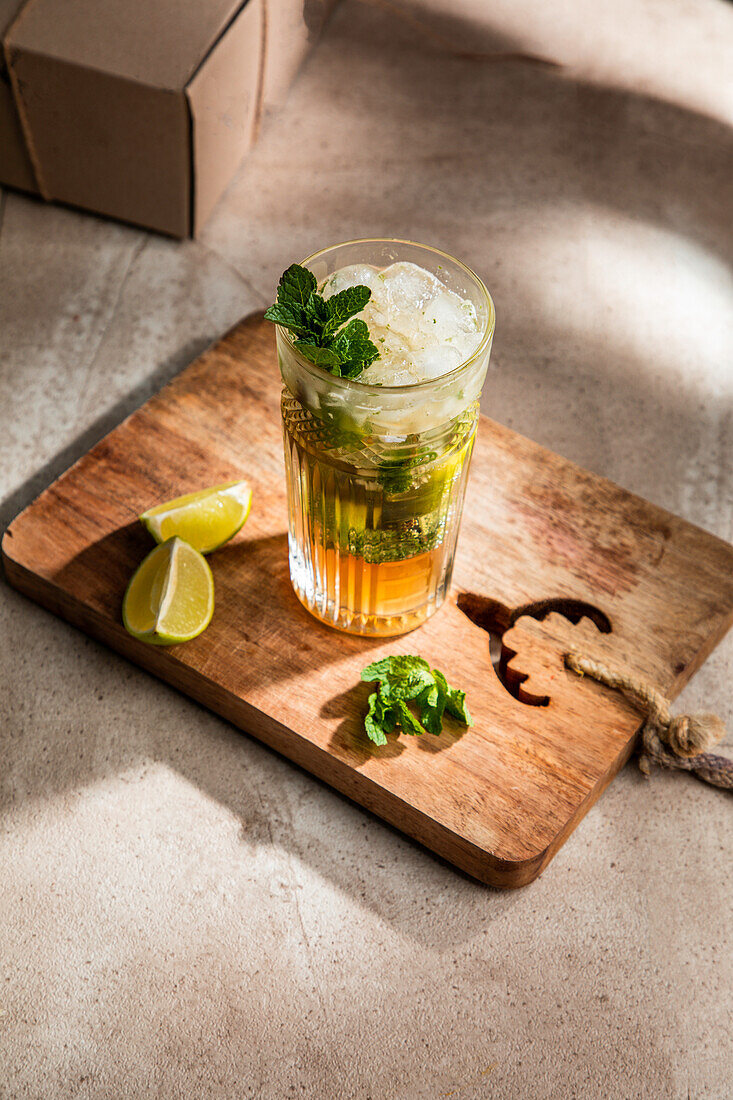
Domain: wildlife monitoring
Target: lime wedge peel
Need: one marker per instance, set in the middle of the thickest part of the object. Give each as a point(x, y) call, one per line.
point(170, 598)
point(205, 519)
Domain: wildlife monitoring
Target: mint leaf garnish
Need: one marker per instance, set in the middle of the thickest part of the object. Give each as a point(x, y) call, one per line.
point(408, 721)
point(324, 336)
point(404, 679)
point(456, 705)
point(322, 357)
point(380, 719)
point(317, 312)
point(290, 317)
point(345, 304)
point(354, 348)
point(399, 677)
point(296, 286)
point(433, 703)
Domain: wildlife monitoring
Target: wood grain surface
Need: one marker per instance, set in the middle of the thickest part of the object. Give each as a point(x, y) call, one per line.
point(550, 556)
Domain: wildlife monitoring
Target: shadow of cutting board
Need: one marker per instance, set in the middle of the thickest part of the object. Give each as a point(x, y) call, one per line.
point(550, 558)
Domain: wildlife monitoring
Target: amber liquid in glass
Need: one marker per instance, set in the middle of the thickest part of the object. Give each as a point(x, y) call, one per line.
point(373, 528)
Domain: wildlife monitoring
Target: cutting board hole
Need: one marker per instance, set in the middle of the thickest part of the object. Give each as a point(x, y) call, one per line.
point(495, 618)
point(574, 610)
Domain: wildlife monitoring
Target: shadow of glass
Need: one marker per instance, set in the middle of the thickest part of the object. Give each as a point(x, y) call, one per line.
point(249, 574)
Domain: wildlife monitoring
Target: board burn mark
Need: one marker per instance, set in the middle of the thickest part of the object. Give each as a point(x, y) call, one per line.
point(574, 531)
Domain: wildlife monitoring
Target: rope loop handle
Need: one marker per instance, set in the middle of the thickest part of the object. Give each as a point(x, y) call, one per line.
point(671, 742)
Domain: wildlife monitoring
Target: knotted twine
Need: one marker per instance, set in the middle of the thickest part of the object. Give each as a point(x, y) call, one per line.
point(687, 736)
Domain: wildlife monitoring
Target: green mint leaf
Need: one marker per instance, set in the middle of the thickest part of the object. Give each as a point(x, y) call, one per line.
point(433, 702)
point(289, 317)
point(400, 677)
point(429, 696)
point(373, 723)
point(404, 678)
point(408, 721)
point(410, 687)
point(398, 475)
point(378, 670)
point(456, 705)
point(322, 357)
point(442, 685)
point(381, 719)
point(388, 717)
point(317, 312)
point(354, 348)
point(296, 286)
point(345, 304)
point(427, 704)
point(408, 675)
point(351, 369)
point(316, 321)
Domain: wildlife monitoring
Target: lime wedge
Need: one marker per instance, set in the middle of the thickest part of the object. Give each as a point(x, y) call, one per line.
point(170, 598)
point(206, 519)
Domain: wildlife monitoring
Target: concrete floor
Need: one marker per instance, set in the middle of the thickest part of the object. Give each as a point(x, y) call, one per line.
point(185, 914)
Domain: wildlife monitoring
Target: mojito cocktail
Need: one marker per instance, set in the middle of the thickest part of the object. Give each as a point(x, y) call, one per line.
point(377, 464)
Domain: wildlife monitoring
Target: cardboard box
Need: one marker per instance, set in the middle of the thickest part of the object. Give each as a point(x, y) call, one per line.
point(142, 109)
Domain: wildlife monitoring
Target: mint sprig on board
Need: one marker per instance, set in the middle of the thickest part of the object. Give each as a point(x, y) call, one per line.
point(324, 333)
point(406, 679)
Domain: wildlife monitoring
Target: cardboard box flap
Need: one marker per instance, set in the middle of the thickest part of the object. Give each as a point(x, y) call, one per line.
point(159, 43)
point(224, 98)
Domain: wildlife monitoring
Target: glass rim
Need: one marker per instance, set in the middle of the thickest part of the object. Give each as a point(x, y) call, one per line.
point(410, 387)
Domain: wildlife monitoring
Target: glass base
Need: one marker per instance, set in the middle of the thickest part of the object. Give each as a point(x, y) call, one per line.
point(370, 600)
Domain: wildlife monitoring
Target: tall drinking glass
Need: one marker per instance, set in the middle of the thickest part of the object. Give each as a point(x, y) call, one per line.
point(376, 474)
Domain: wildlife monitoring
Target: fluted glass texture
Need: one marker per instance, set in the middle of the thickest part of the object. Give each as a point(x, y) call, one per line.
point(376, 475)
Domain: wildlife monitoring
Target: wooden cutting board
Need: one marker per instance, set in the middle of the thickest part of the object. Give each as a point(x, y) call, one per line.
point(550, 556)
